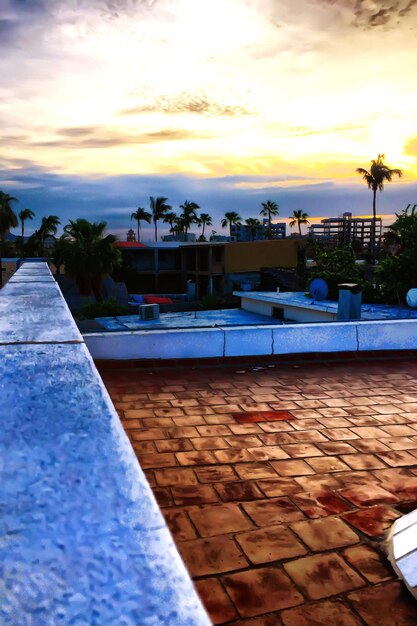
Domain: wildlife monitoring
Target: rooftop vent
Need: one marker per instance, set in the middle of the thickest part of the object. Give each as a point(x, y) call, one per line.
point(149, 312)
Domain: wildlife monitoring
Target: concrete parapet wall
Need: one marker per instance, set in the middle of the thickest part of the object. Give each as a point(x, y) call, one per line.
point(82, 538)
point(254, 340)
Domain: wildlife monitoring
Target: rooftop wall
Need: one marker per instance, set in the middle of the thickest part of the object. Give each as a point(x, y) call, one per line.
point(82, 539)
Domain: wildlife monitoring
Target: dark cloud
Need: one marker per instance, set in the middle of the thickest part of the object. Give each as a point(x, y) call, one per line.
point(96, 137)
point(368, 15)
point(196, 103)
point(113, 198)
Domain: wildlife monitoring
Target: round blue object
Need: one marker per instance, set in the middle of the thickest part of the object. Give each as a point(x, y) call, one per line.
point(318, 289)
point(412, 298)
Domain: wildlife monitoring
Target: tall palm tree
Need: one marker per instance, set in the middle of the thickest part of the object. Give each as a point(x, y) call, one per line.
point(204, 220)
point(49, 226)
point(269, 209)
point(8, 220)
point(298, 218)
point(231, 218)
point(89, 255)
point(378, 174)
point(188, 216)
point(24, 215)
point(253, 224)
point(171, 219)
point(140, 215)
point(158, 209)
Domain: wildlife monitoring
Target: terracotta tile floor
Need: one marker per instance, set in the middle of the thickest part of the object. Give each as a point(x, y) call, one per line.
point(281, 523)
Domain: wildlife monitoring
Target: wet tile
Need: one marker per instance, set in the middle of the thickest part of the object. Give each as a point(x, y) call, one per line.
point(214, 474)
point(370, 445)
point(255, 470)
point(368, 563)
point(212, 556)
point(196, 458)
point(373, 521)
point(272, 511)
point(320, 503)
point(323, 575)
point(219, 520)
point(326, 533)
point(327, 464)
point(216, 601)
point(363, 461)
point(274, 543)
point(179, 525)
point(385, 605)
point(276, 487)
point(332, 612)
point(175, 476)
point(261, 590)
point(319, 482)
point(233, 456)
point(268, 453)
point(398, 459)
point(368, 495)
point(292, 468)
point(193, 494)
point(242, 490)
point(336, 447)
point(302, 450)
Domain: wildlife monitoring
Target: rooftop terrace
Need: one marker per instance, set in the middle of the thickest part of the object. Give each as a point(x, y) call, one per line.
point(279, 483)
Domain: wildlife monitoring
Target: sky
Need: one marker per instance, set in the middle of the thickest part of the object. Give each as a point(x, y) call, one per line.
point(227, 103)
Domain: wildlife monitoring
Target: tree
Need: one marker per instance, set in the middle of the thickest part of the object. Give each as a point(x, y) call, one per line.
point(188, 216)
point(89, 255)
point(24, 215)
point(269, 209)
point(8, 220)
point(171, 219)
point(204, 220)
point(49, 226)
point(140, 215)
point(298, 218)
point(253, 224)
point(158, 210)
point(231, 218)
point(378, 174)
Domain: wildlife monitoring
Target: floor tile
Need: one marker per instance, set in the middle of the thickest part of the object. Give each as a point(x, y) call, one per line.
point(216, 601)
point(323, 575)
point(261, 591)
point(270, 544)
point(368, 563)
point(385, 605)
point(325, 613)
point(325, 534)
point(272, 511)
point(212, 556)
point(320, 503)
point(220, 519)
point(373, 521)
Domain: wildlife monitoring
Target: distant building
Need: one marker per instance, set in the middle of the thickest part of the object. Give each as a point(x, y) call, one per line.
point(191, 237)
point(130, 235)
point(242, 232)
point(346, 229)
point(213, 267)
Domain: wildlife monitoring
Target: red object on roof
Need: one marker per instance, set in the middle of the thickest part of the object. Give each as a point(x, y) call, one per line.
point(157, 300)
point(129, 244)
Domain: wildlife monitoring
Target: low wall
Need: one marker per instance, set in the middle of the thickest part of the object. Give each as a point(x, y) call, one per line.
point(254, 340)
point(82, 538)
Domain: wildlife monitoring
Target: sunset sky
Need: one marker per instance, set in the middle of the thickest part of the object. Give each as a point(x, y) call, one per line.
point(227, 103)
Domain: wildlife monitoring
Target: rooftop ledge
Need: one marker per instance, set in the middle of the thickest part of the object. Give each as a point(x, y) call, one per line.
point(82, 538)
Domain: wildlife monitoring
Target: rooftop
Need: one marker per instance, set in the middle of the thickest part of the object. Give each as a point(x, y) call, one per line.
point(279, 482)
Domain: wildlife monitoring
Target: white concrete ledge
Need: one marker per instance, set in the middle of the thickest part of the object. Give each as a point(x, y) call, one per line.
point(254, 340)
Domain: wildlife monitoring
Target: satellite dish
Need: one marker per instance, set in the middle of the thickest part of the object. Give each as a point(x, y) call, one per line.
point(412, 298)
point(319, 289)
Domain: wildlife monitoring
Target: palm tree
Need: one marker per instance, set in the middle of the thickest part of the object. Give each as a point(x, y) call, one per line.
point(8, 220)
point(253, 224)
point(140, 215)
point(375, 178)
point(298, 218)
point(204, 220)
point(49, 226)
point(158, 210)
point(188, 216)
point(89, 255)
point(231, 218)
point(24, 215)
point(171, 219)
point(269, 209)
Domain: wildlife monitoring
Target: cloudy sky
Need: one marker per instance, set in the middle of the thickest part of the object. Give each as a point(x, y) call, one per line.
point(227, 103)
